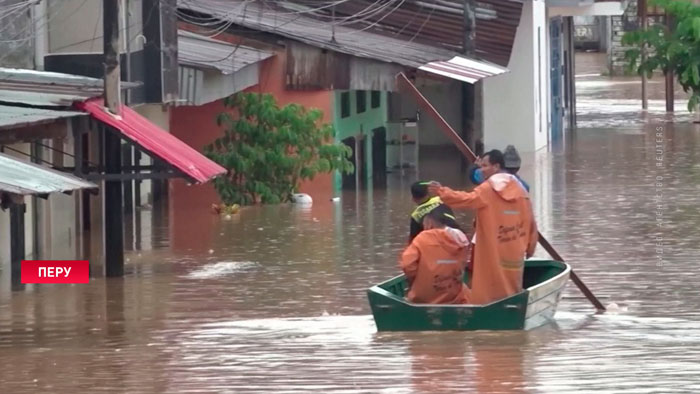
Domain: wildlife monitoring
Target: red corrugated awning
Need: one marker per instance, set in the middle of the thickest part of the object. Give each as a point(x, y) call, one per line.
point(155, 141)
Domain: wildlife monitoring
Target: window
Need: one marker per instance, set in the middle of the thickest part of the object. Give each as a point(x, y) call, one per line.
point(361, 97)
point(376, 98)
point(345, 104)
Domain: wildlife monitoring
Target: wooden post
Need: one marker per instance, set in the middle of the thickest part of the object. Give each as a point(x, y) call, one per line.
point(642, 12)
point(17, 247)
point(469, 28)
point(114, 221)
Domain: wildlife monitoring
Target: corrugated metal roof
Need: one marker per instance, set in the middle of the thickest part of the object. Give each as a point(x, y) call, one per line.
point(463, 69)
point(22, 177)
point(48, 89)
point(12, 117)
point(42, 88)
point(155, 141)
point(356, 42)
point(203, 52)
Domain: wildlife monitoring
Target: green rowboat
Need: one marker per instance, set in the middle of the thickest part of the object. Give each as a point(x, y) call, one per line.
point(543, 282)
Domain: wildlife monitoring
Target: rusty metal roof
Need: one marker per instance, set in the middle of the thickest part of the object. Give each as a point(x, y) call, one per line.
point(13, 117)
point(313, 31)
point(23, 177)
point(496, 24)
point(203, 52)
point(437, 23)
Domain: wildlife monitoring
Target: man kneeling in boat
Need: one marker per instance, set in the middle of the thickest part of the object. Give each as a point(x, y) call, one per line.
point(434, 263)
point(505, 230)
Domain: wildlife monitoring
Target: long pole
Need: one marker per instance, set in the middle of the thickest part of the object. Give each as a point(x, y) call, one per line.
point(114, 222)
point(404, 83)
point(642, 5)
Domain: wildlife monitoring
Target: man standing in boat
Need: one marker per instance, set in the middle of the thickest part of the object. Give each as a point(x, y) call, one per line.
point(511, 160)
point(434, 263)
point(424, 205)
point(505, 231)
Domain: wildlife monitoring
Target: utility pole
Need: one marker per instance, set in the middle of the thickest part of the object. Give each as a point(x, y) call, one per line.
point(642, 12)
point(114, 221)
point(470, 93)
point(468, 46)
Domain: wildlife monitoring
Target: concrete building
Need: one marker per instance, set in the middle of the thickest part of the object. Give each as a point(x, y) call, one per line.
point(538, 95)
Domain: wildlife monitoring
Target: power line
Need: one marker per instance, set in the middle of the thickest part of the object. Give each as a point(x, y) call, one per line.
point(31, 26)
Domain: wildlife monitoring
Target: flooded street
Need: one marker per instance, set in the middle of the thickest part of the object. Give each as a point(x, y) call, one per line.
point(275, 298)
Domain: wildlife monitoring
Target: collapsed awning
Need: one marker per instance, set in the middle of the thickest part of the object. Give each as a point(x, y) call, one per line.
point(463, 69)
point(26, 178)
point(155, 141)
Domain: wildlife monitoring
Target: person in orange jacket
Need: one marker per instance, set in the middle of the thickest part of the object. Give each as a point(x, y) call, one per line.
point(505, 231)
point(434, 263)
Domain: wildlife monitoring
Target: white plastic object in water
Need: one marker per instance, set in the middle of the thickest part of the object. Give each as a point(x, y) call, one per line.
point(302, 198)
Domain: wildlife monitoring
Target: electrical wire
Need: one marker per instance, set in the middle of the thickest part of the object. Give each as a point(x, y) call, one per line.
point(49, 18)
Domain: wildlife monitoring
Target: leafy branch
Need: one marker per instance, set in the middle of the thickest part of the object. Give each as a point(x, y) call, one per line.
point(268, 151)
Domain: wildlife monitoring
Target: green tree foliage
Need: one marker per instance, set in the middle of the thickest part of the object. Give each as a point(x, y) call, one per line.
point(677, 50)
point(269, 150)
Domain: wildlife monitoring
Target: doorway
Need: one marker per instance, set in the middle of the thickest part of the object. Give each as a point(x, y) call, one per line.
point(379, 156)
point(353, 180)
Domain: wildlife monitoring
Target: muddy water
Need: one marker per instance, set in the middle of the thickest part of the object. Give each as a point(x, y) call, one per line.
point(274, 298)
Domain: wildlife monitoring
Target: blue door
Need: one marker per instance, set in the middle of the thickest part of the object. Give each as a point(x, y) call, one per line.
point(555, 26)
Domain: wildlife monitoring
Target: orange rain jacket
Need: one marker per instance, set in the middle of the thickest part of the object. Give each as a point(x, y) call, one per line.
point(434, 265)
point(505, 232)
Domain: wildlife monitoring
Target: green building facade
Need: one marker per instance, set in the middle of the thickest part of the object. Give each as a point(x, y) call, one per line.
point(361, 115)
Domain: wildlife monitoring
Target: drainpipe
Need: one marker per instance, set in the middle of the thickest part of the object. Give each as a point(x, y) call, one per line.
point(40, 34)
point(127, 40)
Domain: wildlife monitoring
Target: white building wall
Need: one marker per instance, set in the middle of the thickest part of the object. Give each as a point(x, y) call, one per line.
point(543, 69)
point(516, 105)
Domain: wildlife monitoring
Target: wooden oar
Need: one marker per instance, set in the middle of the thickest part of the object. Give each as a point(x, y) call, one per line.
point(408, 86)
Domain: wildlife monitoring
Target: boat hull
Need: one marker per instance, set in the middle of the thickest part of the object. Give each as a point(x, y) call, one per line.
point(536, 305)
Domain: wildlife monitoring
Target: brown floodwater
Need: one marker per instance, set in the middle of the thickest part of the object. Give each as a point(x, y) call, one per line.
point(274, 298)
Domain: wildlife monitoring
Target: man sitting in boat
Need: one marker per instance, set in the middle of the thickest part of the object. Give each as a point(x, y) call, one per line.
point(426, 204)
point(505, 231)
point(434, 263)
